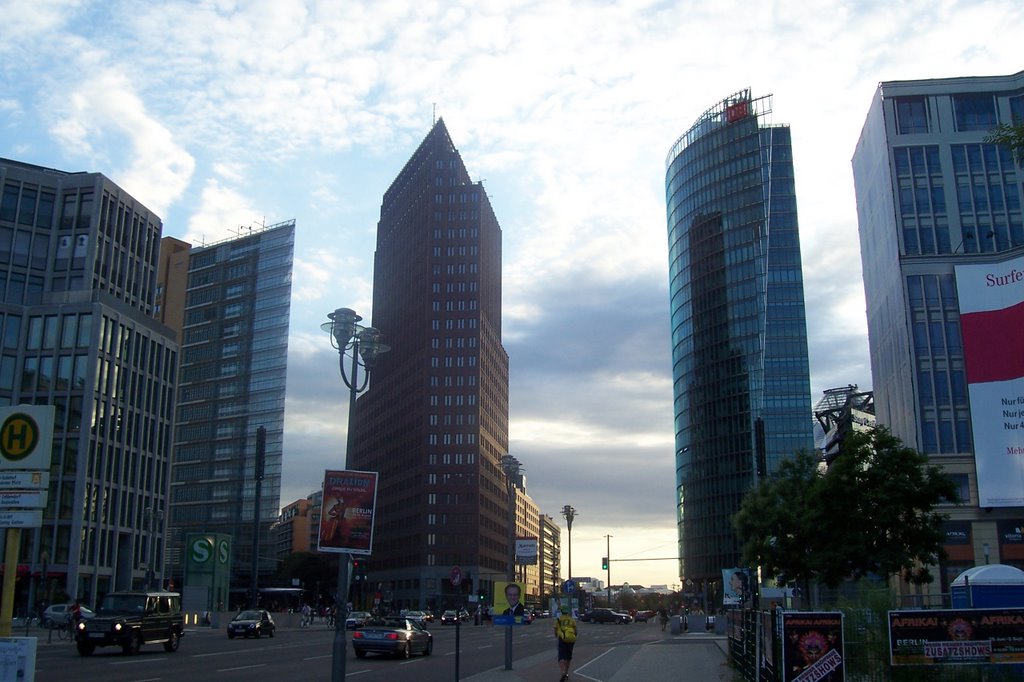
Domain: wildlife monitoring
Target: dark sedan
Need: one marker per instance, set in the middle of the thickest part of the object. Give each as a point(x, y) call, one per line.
point(251, 623)
point(400, 637)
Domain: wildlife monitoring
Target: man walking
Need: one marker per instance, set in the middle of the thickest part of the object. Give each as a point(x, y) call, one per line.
point(565, 633)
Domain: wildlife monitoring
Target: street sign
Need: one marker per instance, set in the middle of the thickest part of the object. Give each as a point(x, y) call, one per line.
point(456, 577)
point(569, 587)
point(31, 499)
point(24, 480)
point(32, 518)
point(26, 437)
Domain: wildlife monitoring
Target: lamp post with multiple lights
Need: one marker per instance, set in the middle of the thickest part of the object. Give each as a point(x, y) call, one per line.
point(363, 345)
point(569, 513)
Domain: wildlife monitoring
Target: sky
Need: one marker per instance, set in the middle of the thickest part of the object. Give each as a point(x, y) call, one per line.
point(221, 114)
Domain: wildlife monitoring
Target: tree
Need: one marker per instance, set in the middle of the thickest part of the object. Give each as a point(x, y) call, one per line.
point(871, 512)
point(1011, 136)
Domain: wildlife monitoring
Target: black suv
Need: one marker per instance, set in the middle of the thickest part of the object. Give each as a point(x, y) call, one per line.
point(607, 616)
point(131, 619)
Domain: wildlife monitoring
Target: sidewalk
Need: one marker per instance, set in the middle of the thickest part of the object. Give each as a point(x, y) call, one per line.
point(649, 656)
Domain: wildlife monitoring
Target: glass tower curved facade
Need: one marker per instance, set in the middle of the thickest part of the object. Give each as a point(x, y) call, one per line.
point(739, 332)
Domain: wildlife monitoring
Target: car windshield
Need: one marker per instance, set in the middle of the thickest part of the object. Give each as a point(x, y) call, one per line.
point(248, 615)
point(355, 615)
point(123, 603)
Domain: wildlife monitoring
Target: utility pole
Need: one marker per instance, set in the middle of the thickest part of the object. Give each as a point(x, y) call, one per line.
point(608, 571)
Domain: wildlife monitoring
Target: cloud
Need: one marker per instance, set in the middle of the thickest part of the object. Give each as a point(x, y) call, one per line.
point(104, 110)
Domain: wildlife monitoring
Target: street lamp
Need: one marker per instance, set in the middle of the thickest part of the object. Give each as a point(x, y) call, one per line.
point(569, 513)
point(512, 469)
point(363, 345)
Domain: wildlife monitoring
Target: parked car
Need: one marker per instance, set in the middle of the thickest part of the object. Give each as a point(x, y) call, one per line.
point(252, 623)
point(131, 619)
point(604, 615)
point(400, 637)
point(56, 615)
point(449, 618)
point(357, 619)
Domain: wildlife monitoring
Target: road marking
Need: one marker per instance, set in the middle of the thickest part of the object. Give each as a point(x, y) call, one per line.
point(242, 667)
point(579, 669)
point(140, 661)
point(316, 658)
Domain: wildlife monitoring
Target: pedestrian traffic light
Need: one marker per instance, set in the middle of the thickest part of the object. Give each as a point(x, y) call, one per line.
point(604, 563)
point(482, 596)
point(357, 571)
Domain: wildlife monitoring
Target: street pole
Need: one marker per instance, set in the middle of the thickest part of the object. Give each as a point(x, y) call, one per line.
point(347, 334)
point(511, 468)
point(608, 571)
point(261, 454)
point(570, 514)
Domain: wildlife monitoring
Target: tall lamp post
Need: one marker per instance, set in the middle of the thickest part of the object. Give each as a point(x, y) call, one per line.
point(512, 469)
point(362, 345)
point(569, 513)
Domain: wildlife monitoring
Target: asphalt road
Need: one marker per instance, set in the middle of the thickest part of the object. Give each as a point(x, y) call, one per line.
point(305, 654)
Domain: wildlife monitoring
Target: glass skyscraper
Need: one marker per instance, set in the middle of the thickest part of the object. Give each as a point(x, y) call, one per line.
point(936, 205)
point(739, 333)
point(232, 382)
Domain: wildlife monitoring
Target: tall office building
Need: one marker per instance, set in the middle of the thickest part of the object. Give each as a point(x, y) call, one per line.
point(739, 334)
point(942, 246)
point(434, 421)
point(78, 263)
point(234, 348)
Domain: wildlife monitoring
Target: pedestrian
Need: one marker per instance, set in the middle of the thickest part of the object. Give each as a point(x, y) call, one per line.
point(565, 633)
point(306, 616)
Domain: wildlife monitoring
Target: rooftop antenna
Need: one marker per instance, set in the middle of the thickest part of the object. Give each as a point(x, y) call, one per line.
point(434, 116)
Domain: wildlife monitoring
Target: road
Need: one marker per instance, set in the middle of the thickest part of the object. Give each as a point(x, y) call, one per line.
point(305, 654)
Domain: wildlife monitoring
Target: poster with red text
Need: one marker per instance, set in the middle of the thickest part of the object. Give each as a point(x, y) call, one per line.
point(346, 517)
point(992, 326)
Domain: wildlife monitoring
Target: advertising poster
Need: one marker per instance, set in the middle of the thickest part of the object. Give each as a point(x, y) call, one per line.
point(991, 304)
point(957, 636)
point(508, 605)
point(812, 646)
point(767, 647)
point(736, 586)
point(346, 518)
point(526, 551)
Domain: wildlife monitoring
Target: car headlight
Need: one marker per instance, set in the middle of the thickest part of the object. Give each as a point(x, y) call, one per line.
point(117, 627)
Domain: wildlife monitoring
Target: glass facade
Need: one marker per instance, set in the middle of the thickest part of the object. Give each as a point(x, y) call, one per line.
point(232, 381)
point(739, 334)
point(928, 199)
point(76, 334)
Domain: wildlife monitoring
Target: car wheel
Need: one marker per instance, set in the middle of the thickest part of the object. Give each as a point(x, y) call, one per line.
point(231, 635)
point(258, 631)
point(405, 651)
point(271, 633)
point(133, 645)
point(430, 648)
point(360, 653)
point(171, 645)
point(86, 649)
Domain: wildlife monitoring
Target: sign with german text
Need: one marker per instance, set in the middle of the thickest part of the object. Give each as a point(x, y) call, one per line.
point(812, 647)
point(346, 518)
point(956, 637)
point(991, 309)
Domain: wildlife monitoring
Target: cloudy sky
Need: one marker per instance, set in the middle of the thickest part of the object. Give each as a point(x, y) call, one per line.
point(220, 114)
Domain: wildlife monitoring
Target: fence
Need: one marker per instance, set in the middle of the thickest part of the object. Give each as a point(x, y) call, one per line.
point(865, 652)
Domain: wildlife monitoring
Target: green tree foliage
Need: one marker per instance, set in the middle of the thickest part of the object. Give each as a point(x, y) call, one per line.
point(1011, 136)
point(871, 512)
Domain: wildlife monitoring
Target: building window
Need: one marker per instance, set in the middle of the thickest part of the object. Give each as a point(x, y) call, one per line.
point(975, 111)
point(911, 115)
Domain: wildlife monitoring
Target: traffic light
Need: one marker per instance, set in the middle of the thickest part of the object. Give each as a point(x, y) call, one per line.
point(357, 571)
point(604, 563)
point(482, 596)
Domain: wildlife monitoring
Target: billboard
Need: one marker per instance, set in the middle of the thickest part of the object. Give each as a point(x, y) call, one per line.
point(956, 636)
point(346, 518)
point(991, 304)
point(526, 551)
point(812, 646)
point(736, 586)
